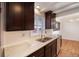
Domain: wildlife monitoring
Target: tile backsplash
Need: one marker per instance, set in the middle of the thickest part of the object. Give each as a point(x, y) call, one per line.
point(15, 36)
point(48, 32)
point(18, 36)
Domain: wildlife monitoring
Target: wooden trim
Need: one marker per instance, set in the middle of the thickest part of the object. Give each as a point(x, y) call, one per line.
point(70, 40)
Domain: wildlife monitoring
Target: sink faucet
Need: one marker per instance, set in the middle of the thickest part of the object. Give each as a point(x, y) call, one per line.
point(42, 35)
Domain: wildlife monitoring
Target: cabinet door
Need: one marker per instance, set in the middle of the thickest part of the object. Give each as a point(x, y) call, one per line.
point(14, 16)
point(48, 50)
point(54, 48)
point(29, 16)
point(51, 49)
point(48, 16)
point(48, 22)
point(53, 21)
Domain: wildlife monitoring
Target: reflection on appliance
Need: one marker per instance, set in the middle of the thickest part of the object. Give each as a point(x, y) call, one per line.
point(56, 26)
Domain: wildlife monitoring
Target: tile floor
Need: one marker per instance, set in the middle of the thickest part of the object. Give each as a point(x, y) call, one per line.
point(69, 48)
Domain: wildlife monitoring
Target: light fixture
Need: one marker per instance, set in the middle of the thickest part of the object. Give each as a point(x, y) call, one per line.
point(71, 20)
point(37, 10)
point(38, 7)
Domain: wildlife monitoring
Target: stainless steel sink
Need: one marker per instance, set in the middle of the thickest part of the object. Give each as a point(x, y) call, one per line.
point(44, 39)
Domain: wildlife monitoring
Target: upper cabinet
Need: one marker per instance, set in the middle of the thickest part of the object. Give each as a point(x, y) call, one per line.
point(48, 16)
point(53, 21)
point(29, 16)
point(53, 16)
point(49, 19)
point(19, 16)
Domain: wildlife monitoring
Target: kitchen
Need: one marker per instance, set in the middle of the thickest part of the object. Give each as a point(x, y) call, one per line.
point(35, 29)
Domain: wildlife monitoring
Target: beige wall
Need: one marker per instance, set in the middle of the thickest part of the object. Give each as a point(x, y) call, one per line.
point(70, 29)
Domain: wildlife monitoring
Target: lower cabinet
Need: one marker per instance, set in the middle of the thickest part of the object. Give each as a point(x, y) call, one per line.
point(50, 50)
point(54, 50)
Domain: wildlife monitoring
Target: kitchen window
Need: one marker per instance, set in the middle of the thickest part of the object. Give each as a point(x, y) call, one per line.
point(38, 24)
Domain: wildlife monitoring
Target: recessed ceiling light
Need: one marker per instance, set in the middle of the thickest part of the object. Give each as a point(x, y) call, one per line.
point(37, 6)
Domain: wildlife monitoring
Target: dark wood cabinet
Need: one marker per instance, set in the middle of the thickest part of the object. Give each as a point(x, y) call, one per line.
point(38, 53)
point(19, 16)
point(55, 24)
point(48, 50)
point(54, 50)
point(48, 16)
point(49, 19)
point(14, 16)
point(29, 16)
point(51, 49)
point(53, 19)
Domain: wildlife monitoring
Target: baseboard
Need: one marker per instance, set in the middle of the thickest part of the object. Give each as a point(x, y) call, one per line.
point(70, 39)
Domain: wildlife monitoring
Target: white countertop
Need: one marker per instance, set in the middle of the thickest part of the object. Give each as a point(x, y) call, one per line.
point(25, 48)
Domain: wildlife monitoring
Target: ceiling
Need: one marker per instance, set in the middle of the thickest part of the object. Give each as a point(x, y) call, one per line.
point(58, 7)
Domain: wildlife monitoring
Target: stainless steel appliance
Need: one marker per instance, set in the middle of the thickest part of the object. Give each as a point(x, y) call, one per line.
point(56, 26)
